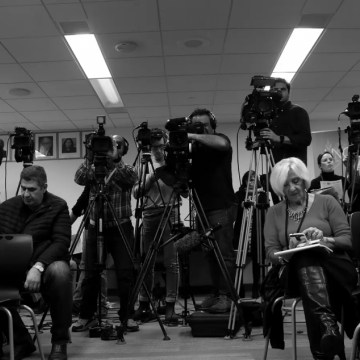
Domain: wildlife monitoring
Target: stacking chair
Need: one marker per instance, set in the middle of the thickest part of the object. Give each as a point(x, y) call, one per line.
point(15, 254)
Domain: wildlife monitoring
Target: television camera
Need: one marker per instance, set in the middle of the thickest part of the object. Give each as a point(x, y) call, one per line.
point(260, 107)
point(353, 112)
point(23, 144)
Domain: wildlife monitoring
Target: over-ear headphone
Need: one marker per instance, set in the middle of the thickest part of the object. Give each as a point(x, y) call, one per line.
point(126, 146)
point(199, 112)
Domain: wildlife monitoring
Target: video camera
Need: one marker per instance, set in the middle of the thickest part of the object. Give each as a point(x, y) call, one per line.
point(261, 105)
point(23, 144)
point(353, 112)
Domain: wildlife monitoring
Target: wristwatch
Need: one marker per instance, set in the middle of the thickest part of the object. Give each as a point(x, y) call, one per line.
point(39, 268)
point(282, 138)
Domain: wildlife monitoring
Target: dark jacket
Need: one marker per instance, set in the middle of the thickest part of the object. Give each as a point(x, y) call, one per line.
point(292, 121)
point(49, 226)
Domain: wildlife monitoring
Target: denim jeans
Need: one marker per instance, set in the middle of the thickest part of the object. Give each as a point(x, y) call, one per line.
point(58, 294)
point(224, 238)
point(123, 267)
point(78, 294)
point(150, 225)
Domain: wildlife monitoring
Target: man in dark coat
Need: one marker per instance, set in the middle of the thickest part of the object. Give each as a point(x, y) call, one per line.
point(46, 218)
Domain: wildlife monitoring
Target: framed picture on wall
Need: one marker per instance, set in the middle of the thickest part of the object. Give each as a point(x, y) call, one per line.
point(45, 146)
point(6, 152)
point(69, 145)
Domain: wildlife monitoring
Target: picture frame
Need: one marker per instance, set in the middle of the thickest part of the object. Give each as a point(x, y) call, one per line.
point(45, 146)
point(7, 152)
point(69, 145)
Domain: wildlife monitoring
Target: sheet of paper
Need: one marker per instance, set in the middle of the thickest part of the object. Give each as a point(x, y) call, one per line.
point(337, 185)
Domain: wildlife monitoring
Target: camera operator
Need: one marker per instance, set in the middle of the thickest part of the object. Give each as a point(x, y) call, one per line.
point(289, 132)
point(212, 180)
point(153, 212)
point(120, 179)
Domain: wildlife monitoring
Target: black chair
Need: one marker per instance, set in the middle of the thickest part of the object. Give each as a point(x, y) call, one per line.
point(15, 254)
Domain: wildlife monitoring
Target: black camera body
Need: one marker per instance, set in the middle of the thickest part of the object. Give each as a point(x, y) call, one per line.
point(261, 105)
point(353, 112)
point(23, 144)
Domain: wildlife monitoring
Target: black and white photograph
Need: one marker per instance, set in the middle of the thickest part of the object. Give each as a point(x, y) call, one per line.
point(69, 145)
point(45, 146)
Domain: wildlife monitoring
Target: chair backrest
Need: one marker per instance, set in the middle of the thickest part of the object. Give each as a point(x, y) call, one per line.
point(355, 233)
point(15, 253)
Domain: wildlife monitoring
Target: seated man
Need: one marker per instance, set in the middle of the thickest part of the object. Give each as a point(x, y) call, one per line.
point(46, 218)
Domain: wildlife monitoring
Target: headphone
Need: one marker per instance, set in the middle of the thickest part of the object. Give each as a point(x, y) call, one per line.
point(126, 146)
point(213, 121)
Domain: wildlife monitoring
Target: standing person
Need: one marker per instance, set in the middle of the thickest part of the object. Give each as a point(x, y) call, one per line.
point(289, 132)
point(120, 179)
point(45, 217)
point(153, 212)
point(212, 180)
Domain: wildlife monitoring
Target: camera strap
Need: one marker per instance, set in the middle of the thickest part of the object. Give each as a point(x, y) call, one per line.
point(107, 179)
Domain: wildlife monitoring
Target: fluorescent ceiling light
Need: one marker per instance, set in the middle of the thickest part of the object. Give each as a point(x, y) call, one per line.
point(295, 52)
point(88, 53)
point(107, 92)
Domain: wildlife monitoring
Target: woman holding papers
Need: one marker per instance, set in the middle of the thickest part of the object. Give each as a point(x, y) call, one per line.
point(323, 279)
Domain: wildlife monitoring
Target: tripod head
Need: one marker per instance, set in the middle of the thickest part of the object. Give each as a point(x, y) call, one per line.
point(259, 142)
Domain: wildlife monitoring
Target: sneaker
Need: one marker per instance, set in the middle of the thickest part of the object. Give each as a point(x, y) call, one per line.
point(222, 305)
point(109, 333)
point(84, 324)
point(208, 302)
point(132, 326)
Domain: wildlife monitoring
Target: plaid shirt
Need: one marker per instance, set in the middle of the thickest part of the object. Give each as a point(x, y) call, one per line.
point(118, 189)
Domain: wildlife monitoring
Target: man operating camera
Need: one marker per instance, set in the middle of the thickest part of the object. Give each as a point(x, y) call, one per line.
point(212, 180)
point(119, 179)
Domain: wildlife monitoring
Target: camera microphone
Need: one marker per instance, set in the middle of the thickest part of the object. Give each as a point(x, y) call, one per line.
point(144, 124)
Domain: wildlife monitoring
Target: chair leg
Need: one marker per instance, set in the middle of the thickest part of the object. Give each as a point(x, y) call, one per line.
point(35, 328)
point(354, 343)
point(293, 322)
point(41, 323)
point(267, 339)
point(11, 331)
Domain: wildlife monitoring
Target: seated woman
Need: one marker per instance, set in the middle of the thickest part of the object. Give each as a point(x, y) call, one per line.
point(323, 280)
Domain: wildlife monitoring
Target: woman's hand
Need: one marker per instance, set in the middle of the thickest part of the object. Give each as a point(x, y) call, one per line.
point(312, 233)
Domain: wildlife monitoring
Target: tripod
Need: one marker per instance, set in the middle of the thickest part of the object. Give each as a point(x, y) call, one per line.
point(260, 149)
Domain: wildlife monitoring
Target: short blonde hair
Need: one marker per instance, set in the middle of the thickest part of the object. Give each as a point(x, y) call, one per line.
point(280, 173)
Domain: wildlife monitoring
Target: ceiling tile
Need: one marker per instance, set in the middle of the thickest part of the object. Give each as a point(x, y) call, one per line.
point(122, 16)
point(122, 122)
point(335, 107)
point(23, 21)
point(141, 85)
point(44, 116)
point(186, 110)
point(342, 93)
point(5, 57)
point(227, 109)
point(192, 83)
point(266, 14)
point(226, 119)
point(56, 70)
point(148, 44)
point(77, 102)
point(60, 1)
point(38, 49)
point(189, 14)
point(67, 88)
point(67, 12)
point(213, 42)
point(119, 116)
point(308, 105)
point(248, 63)
point(36, 104)
point(5, 108)
point(194, 98)
point(338, 40)
point(135, 67)
point(230, 97)
point(53, 126)
point(19, 2)
point(85, 114)
point(256, 41)
point(188, 65)
point(316, 94)
point(317, 79)
point(356, 67)
point(148, 112)
point(11, 127)
point(13, 73)
point(347, 15)
point(234, 82)
point(321, 6)
point(91, 124)
point(6, 118)
point(135, 100)
point(330, 62)
point(352, 78)
point(35, 91)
